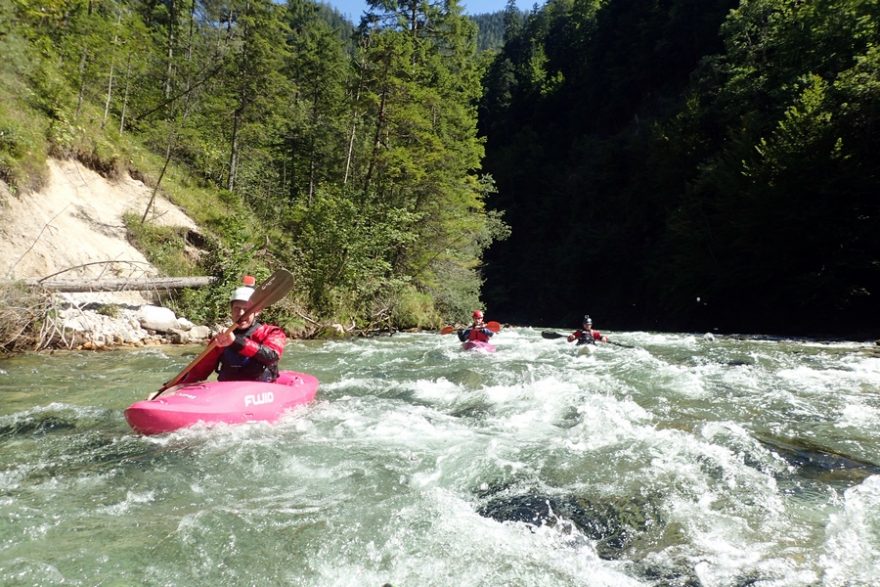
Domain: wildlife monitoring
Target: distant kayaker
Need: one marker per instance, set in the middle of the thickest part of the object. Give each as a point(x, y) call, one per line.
point(587, 335)
point(477, 331)
point(250, 352)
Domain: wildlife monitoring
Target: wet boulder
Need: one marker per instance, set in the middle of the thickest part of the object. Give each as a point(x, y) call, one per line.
point(613, 523)
point(818, 462)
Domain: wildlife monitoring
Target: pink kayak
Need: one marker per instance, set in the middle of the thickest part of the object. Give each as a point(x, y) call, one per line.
point(232, 402)
point(476, 345)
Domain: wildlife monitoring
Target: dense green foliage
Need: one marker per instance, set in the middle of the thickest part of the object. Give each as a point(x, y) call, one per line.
point(491, 27)
point(348, 155)
point(689, 164)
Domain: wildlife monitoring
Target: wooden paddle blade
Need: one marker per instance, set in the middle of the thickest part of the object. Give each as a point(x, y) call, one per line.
point(494, 327)
point(269, 292)
point(551, 334)
point(447, 330)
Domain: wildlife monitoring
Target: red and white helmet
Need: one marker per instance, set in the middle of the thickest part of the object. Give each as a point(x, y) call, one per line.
point(477, 315)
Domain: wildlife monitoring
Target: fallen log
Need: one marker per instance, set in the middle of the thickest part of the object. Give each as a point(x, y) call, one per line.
point(138, 284)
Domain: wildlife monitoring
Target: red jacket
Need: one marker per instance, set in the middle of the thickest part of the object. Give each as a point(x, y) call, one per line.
point(254, 355)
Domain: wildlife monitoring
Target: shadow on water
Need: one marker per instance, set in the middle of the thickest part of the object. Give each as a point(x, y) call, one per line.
point(63, 442)
point(93, 452)
point(476, 408)
point(35, 425)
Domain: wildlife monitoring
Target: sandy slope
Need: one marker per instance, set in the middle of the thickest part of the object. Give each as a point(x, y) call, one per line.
point(77, 219)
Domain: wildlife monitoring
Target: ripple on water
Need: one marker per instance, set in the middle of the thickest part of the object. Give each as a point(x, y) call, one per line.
point(662, 464)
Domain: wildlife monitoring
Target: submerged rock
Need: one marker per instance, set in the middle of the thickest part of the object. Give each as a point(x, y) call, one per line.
point(614, 524)
point(814, 461)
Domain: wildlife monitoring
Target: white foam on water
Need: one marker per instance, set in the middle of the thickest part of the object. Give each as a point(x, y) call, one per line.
point(381, 478)
point(79, 412)
point(734, 516)
point(437, 390)
point(607, 421)
point(852, 539)
point(687, 341)
point(11, 478)
point(425, 537)
point(813, 380)
point(689, 382)
point(859, 414)
point(746, 447)
point(131, 499)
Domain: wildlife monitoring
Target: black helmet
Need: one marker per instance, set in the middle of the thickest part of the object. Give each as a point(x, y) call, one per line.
point(587, 319)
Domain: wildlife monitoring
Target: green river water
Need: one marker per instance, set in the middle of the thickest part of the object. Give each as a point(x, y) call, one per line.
point(680, 462)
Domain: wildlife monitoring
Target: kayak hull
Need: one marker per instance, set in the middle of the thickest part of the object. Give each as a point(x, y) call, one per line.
point(229, 402)
point(477, 345)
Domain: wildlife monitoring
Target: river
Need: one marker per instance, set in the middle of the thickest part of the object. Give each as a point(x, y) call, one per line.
point(680, 462)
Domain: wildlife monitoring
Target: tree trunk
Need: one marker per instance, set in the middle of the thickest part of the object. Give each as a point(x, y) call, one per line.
point(170, 69)
point(140, 284)
point(109, 96)
point(233, 151)
point(189, 56)
point(313, 164)
point(380, 124)
point(83, 63)
point(112, 68)
point(171, 138)
point(351, 137)
point(125, 94)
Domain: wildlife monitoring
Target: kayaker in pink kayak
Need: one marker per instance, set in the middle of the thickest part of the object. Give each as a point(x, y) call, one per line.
point(587, 335)
point(250, 352)
point(477, 331)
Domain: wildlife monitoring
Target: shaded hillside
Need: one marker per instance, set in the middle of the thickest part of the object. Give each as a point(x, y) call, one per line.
point(688, 165)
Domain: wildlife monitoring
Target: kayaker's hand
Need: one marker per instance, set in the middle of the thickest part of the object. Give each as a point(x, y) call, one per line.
point(570, 337)
point(224, 339)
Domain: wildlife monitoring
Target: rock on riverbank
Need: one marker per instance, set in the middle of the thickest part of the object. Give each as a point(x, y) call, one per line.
point(95, 327)
point(73, 228)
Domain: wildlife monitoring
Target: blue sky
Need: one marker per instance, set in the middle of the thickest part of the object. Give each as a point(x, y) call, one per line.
point(354, 8)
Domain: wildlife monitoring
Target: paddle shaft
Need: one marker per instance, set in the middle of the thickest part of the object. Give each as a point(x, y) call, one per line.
point(492, 325)
point(550, 334)
point(269, 292)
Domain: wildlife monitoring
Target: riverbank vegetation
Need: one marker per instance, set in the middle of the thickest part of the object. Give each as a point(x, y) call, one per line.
point(24, 314)
point(348, 155)
point(686, 164)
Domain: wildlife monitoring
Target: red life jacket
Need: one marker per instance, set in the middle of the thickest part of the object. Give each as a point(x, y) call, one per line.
point(256, 358)
point(479, 334)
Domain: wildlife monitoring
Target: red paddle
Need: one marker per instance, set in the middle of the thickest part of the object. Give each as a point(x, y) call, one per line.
point(493, 326)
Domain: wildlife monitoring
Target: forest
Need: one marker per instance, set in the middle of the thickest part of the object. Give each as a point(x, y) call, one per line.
point(689, 165)
point(664, 165)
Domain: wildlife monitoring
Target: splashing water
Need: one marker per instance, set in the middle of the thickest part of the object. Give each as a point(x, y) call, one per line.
point(683, 461)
